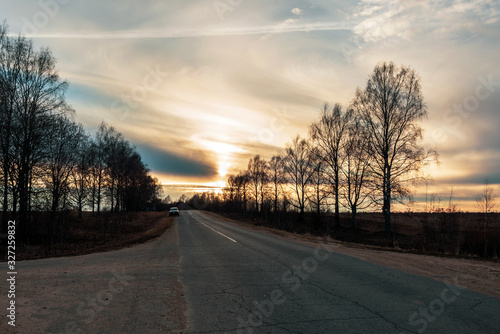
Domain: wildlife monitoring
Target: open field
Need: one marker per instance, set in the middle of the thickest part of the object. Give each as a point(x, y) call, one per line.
point(456, 234)
point(93, 234)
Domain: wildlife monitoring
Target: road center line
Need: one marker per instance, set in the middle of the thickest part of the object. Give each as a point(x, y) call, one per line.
point(225, 236)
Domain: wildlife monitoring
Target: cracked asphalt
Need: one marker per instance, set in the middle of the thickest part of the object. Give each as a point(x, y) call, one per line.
point(238, 280)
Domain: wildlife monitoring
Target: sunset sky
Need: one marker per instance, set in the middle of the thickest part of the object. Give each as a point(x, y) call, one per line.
point(200, 86)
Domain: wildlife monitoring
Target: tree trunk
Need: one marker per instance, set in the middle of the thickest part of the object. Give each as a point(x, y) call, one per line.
point(262, 202)
point(318, 207)
point(387, 202)
point(15, 198)
point(5, 206)
point(337, 210)
point(354, 211)
point(23, 215)
point(80, 209)
point(256, 198)
point(112, 192)
point(275, 203)
point(99, 194)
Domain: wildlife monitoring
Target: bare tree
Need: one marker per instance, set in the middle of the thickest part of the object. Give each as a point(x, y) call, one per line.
point(12, 59)
point(46, 160)
point(62, 148)
point(486, 201)
point(276, 179)
point(230, 191)
point(98, 168)
point(257, 169)
point(321, 189)
point(329, 135)
point(358, 188)
point(298, 163)
point(39, 97)
point(7, 71)
point(61, 153)
point(115, 151)
point(242, 181)
point(391, 106)
point(182, 199)
point(452, 206)
point(81, 177)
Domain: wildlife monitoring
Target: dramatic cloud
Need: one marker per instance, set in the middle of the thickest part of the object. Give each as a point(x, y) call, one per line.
point(168, 163)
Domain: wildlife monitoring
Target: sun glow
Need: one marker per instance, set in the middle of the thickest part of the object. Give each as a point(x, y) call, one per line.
point(223, 170)
point(221, 148)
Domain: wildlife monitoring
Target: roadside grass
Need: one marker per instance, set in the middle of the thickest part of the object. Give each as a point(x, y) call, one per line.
point(92, 233)
point(441, 234)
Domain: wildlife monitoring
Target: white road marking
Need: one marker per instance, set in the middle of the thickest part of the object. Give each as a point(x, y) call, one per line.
point(225, 236)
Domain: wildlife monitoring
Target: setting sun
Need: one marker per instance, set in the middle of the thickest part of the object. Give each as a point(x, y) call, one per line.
point(223, 171)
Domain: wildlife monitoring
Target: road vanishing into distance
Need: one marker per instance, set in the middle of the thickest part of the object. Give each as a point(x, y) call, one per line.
point(238, 280)
point(207, 275)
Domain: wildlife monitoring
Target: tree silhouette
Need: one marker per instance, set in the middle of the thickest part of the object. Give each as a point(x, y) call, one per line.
point(391, 106)
point(486, 201)
point(298, 164)
point(33, 94)
point(329, 135)
point(358, 188)
point(320, 187)
point(276, 179)
point(257, 176)
point(47, 161)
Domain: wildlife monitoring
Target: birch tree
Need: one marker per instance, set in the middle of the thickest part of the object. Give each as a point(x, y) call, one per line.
point(329, 135)
point(391, 107)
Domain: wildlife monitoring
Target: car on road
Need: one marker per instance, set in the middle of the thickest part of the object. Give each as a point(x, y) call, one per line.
point(174, 211)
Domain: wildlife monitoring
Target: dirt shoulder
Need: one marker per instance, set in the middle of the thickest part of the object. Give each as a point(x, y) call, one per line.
point(475, 274)
point(131, 290)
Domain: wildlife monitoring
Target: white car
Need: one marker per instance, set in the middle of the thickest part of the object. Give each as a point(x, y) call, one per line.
point(174, 211)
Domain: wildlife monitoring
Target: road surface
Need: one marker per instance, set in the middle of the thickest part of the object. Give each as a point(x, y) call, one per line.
point(209, 276)
point(238, 280)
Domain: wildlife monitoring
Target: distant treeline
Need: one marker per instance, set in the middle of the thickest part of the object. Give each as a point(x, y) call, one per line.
point(48, 162)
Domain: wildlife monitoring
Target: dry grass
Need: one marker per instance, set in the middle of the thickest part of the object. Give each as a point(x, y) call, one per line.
point(94, 234)
point(440, 233)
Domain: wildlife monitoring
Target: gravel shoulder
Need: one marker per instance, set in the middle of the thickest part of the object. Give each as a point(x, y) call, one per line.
point(474, 274)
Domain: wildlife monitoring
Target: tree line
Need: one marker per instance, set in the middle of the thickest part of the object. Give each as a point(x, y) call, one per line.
point(367, 154)
point(48, 162)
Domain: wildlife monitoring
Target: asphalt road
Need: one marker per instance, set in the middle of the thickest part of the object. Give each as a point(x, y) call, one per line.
point(238, 280)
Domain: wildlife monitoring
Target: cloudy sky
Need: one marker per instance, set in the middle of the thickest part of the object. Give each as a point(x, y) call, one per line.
point(199, 86)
